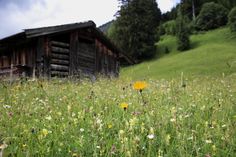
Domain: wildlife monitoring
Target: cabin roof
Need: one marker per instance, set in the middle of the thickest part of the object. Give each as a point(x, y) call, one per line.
point(59, 28)
point(28, 34)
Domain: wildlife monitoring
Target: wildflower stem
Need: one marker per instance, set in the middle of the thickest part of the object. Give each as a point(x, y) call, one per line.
point(142, 98)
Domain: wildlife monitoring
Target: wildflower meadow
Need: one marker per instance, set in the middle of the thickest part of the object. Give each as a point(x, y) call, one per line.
point(118, 117)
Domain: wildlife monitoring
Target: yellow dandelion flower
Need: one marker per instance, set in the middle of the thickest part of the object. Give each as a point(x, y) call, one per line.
point(140, 85)
point(124, 105)
point(45, 132)
point(109, 126)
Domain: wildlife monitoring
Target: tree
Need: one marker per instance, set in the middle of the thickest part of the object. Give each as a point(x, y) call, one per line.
point(170, 15)
point(211, 16)
point(191, 8)
point(135, 27)
point(229, 4)
point(183, 40)
point(232, 19)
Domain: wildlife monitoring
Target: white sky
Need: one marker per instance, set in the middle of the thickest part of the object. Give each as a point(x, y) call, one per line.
point(14, 16)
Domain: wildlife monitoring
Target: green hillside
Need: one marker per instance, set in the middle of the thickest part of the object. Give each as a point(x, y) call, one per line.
point(213, 53)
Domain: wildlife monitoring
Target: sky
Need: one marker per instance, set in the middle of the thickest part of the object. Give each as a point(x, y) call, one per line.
point(16, 15)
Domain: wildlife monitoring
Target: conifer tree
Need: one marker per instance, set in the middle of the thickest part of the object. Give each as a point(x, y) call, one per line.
point(183, 32)
point(135, 28)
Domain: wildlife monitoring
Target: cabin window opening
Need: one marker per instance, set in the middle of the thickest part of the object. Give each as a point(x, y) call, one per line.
point(64, 38)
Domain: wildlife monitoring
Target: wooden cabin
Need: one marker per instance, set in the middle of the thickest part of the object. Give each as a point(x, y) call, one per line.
point(78, 49)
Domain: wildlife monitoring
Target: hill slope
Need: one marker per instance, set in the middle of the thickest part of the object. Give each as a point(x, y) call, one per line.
point(212, 54)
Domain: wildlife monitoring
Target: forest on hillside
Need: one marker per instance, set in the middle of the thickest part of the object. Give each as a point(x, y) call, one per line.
point(140, 23)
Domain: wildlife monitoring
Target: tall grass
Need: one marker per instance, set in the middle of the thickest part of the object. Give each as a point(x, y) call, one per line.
point(168, 118)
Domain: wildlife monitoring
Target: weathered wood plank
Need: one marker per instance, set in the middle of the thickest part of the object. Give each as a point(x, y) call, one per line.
point(60, 56)
point(56, 67)
point(60, 44)
point(84, 55)
point(58, 61)
point(87, 64)
point(74, 53)
point(39, 56)
point(60, 50)
point(86, 38)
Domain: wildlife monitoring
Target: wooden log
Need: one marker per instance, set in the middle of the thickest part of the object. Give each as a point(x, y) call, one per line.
point(60, 44)
point(84, 55)
point(86, 65)
point(60, 50)
point(86, 38)
point(56, 67)
point(59, 56)
point(58, 61)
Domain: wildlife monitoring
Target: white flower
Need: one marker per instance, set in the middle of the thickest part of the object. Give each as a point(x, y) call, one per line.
point(3, 146)
point(208, 141)
point(48, 118)
point(81, 129)
point(203, 107)
point(121, 132)
point(173, 120)
point(190, 138)
point(186, 116)
point(223, 126)
point(151, 136)
point(7, 106)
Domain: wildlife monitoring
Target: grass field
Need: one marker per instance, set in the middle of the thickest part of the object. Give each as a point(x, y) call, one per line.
point(212, 53)
point(187, 109)
point(168, 118)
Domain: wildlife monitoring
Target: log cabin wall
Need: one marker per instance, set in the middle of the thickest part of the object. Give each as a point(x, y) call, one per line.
point(90, 56)
point(20, 57)
point(59, 52)
point(82, 53)
point(43, 57)
point(107, 60)
point(65, 50)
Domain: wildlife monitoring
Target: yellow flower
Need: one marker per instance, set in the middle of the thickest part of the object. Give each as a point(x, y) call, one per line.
point(124, 105)
point(214, 148)
point(140, 85)
point(45, 132)
point(168, 139)
point(109, 126)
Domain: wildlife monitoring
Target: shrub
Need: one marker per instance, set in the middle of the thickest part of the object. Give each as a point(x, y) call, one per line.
point(183, 40)
point(161, 30)
point(211, 16)
point(167, 51)
point(170, 27)
point(232, 19)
